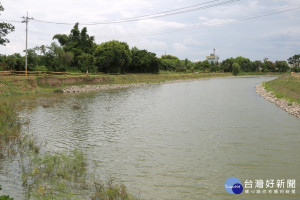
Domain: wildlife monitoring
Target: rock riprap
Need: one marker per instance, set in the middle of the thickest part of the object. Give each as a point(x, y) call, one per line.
point(290, 107)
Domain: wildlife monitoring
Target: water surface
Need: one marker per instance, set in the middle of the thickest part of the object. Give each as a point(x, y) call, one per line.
point(175, 141)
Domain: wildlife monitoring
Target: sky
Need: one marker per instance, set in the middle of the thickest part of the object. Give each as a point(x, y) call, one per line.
point(192, 28)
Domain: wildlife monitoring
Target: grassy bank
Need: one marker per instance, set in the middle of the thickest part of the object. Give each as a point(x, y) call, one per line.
point(286, 86)
point(20, 85)
point(9, 128)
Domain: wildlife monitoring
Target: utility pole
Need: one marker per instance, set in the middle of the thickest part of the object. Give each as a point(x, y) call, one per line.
point(26, 20)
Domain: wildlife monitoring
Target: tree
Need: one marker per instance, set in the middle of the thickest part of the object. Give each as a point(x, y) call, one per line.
point(245, 63)
point(11, 62)
point(5, 29)
point(113, 57)
point(214, 67)
point(198, 65)
point(188, 65)
point(33, 58)
point(236, 69)
point(205, 65)
point(268, 66)
point(53, 57)
point(294, 61)
point(143, 62)
point(170, 63)
point(86, 62)
point(256, 66)
point(226, 65)
point(78, 42)
point(282, 66)
point(169, 57)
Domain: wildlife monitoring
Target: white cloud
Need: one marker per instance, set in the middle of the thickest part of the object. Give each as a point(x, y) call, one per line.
point(192, 42)
point(244, 37)
point(213, 22)
point(149, 45)
point(180, 48)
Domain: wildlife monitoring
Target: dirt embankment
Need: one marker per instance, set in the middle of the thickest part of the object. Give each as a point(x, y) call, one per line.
point(290, 107)
point(56, 82)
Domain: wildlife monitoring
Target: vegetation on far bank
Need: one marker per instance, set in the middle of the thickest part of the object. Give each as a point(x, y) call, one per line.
point(20, 85)
point(286, 86)
point(14, 85)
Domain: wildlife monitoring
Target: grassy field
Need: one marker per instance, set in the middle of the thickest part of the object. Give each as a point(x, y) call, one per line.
point(286, 86)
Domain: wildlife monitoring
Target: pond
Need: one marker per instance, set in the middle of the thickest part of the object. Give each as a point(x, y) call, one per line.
point(172, 141)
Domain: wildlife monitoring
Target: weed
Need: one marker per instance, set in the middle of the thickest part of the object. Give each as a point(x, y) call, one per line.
point(286, 86)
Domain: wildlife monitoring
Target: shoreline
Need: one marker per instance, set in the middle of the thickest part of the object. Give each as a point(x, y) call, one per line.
point(21, 85)
point(290, 107)
point(91, 88)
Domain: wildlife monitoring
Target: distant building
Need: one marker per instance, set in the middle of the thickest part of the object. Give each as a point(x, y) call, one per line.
point(213, 58)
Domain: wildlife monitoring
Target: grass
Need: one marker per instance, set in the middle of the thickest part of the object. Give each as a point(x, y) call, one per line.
point(53, 176)
point(16, 85)
point(48, 175)
point(286, 86)
point(9, 130)
point(260, 73)
point(62, 175)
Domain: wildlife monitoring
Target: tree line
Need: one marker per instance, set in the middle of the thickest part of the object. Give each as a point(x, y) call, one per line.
point(78, 52)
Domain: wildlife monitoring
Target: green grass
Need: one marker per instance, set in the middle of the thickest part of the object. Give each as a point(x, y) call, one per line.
point(286, 86)
point(52, 176)
point(61, 175)
point(9, 129)
point(48, 175)
point(260, 73)
point(16, 85)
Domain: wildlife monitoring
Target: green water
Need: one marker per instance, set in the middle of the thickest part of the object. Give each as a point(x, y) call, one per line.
point(172, 141)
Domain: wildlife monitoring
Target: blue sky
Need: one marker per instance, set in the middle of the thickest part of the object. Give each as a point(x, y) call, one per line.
point(275, 36)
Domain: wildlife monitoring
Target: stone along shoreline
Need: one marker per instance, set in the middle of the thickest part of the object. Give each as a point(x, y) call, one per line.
point(290, 107)
point(90, 88)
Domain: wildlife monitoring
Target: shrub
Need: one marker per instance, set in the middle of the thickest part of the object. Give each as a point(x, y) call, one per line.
point(40, 68)
point(236, 69)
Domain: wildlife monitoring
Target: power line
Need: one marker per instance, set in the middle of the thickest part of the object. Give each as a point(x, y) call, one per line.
point(11, 21)
point(145, 17)
point(222, 22)
point(196, 26)
point(178, 11)
point(201, 26)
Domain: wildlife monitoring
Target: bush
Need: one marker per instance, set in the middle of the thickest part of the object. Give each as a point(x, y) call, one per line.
point(236, 69)
point(143, 62)
point(40, 68)
point(112, 57)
